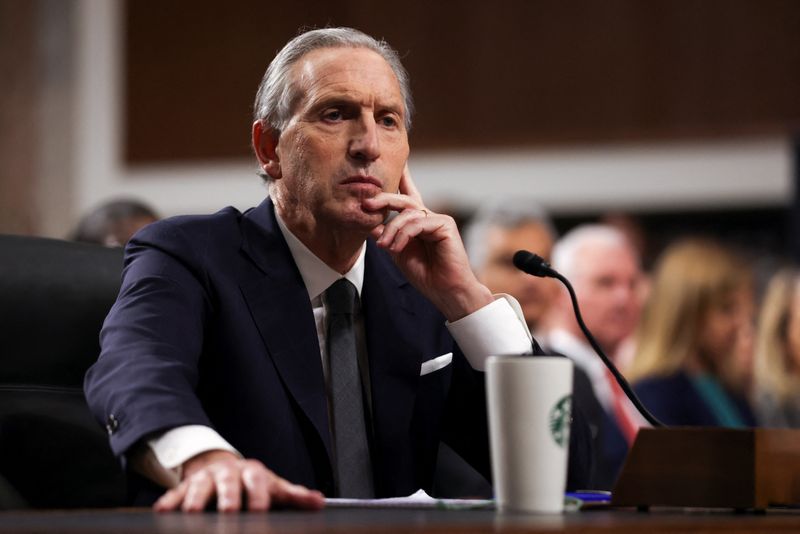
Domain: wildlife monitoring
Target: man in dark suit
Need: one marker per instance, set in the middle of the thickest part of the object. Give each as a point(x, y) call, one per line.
point(219, 373)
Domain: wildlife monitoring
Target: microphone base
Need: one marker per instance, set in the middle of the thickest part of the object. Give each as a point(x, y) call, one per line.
point(697, 467)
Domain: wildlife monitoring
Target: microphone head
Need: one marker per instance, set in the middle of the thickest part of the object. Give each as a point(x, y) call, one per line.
point(532, 264)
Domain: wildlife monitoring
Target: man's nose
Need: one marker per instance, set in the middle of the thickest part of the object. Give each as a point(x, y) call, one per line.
point(623, 293)
point(364, 144)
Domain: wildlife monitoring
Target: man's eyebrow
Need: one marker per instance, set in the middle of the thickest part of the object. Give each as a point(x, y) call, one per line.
point(394, 107)
point(334, 101)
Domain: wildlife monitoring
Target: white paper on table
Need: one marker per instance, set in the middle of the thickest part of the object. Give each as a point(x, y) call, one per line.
point(420, 499)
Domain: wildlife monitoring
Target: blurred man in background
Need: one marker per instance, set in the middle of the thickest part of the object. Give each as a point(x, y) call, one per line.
point(605, 271)
point(495, 233)
point(113, 223)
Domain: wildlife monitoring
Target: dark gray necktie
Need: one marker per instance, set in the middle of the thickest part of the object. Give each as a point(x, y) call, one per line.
point(353, 468)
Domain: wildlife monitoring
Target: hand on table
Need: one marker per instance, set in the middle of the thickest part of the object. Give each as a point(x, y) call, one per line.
point(227, 476)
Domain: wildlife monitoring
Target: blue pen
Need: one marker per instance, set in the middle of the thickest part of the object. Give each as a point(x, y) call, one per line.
point(590, 496)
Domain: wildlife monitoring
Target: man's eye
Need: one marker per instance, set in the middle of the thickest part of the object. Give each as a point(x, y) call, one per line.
point(388, 121)
point(333, 115)
point(502, 262)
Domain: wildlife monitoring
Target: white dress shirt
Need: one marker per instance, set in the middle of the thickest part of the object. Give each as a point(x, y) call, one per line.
point(497, 328)
point(584, 357)
point(582, 354)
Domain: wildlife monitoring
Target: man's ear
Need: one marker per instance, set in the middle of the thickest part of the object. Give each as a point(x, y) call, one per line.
point(265, 145)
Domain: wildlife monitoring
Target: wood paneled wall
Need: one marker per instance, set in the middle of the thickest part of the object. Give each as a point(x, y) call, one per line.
point(19, 92)
point(485, 74)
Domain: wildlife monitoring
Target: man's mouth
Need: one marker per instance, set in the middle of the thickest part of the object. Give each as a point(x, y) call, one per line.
point(362, 186)
point(359, 180)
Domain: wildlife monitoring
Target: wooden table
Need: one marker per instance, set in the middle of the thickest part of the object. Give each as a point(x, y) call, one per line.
point(396, 521)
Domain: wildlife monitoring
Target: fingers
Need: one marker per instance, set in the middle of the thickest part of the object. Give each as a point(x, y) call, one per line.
point(408, 187)
point(191, 495)
point(410, 224)
point(391, 201)
point(287, 493)
point(377, 231)
point(407, 197)
point(256, 479)
point(171, 499)
point(400, 229)
point(228, 482)
point(227, 479)
point(199, 492)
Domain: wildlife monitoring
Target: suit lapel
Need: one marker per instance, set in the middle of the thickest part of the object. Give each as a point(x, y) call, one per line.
point(279, 303)
point(394, 363)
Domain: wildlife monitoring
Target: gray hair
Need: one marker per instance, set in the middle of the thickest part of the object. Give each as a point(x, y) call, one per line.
point(504, 213)
point(277, 95)
point(107, 221)
point(567, 250)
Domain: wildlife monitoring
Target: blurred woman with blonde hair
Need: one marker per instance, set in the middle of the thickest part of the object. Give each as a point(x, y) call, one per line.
point(777, 367)
point(686, 367)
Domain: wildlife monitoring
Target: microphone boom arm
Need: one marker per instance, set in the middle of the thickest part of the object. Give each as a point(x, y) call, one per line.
point(536, 266)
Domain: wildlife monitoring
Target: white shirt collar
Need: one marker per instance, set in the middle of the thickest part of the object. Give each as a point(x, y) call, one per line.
point(585, 358)
point(578, 350)
point(317, 275)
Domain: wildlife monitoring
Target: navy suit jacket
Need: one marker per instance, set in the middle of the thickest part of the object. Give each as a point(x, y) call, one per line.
point(213, 326)
point(674, 400)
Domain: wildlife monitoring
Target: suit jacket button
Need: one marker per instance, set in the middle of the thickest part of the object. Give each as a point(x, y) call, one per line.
point(111, 424)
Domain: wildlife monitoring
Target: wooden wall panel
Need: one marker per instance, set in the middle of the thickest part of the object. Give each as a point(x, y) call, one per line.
point(19, 92)
point(513, 73)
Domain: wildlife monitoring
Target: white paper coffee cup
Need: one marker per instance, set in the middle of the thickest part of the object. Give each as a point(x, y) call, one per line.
point(530, 405)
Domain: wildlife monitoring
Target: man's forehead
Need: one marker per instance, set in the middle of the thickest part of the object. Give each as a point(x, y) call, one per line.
point(528, 233)
point(341, 64)
point(597, 259)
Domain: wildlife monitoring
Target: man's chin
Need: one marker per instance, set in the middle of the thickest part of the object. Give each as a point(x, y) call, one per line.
point(364, 221)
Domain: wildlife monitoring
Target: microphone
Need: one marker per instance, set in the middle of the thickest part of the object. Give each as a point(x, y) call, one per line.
point(535, 265)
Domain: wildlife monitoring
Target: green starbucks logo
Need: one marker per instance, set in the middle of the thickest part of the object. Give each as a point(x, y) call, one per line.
point(559, 420)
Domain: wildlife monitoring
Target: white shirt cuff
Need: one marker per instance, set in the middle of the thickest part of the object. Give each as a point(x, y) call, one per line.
point(497, 328)
point(174, 447)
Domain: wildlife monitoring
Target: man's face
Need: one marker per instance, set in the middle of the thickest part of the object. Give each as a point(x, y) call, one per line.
point(500, 275)
point(606, 282)
point(346, 139)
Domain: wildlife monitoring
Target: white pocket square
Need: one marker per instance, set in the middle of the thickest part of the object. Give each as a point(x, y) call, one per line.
point(435, 364)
